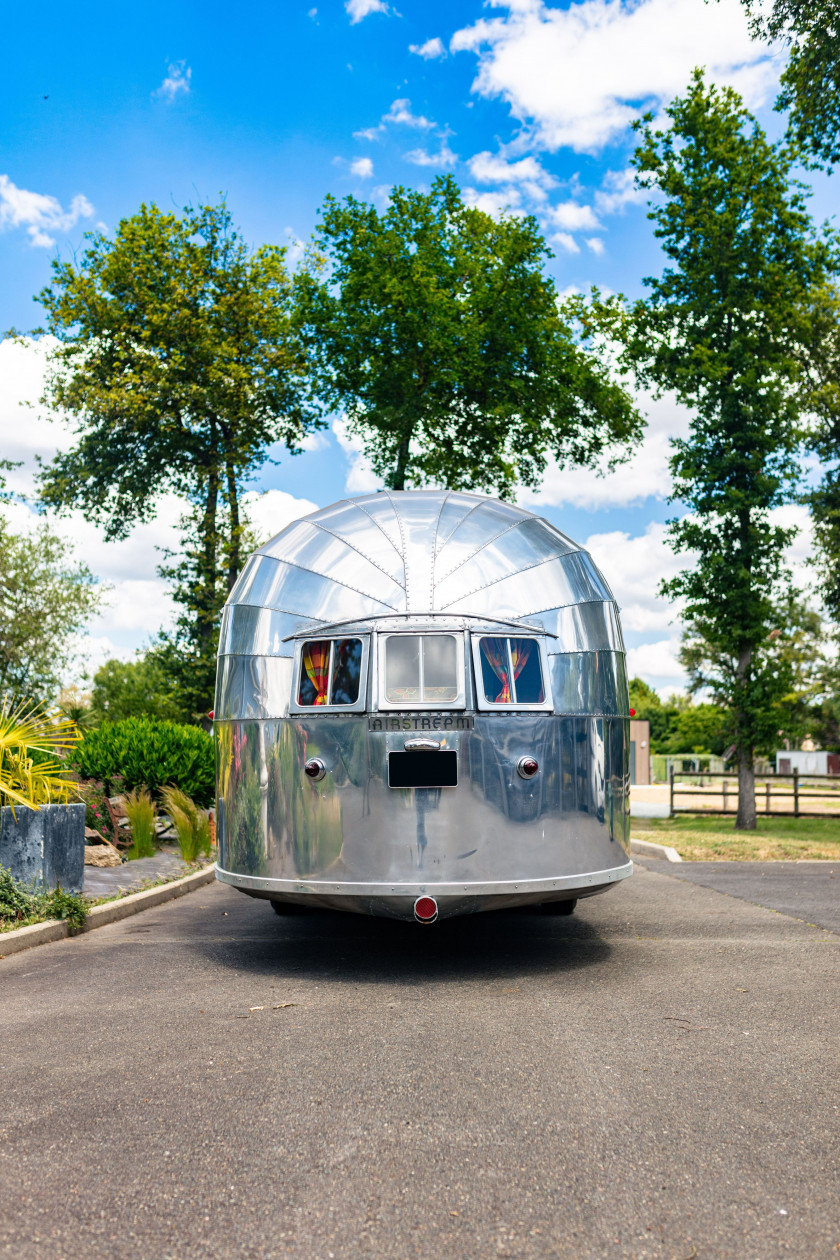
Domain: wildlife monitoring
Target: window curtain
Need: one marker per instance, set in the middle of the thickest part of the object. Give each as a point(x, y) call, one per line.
point(520, 650)
point(495, 650)
point(316, 662)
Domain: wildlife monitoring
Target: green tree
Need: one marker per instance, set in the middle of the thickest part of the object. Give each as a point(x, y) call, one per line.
point(179, 367)
point(435, 328)
point(723, 327)
point(138, 688)
point(46, 600)
point(811, 79)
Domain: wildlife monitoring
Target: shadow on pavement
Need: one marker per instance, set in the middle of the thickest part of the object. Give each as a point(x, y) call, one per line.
point(335, 946)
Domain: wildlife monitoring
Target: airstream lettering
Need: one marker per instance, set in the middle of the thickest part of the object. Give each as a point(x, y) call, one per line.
point(421, 711)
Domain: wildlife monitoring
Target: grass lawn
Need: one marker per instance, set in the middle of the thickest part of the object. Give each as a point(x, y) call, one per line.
point(715, 839)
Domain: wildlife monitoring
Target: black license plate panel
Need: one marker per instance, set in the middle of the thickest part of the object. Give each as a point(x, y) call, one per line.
point(423, 769)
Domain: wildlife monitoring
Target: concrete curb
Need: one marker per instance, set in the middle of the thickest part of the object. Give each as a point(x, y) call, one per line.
point(100, 916)
point(647, 848)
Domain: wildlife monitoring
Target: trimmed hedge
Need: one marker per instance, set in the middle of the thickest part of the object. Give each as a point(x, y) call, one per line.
point(150, 752)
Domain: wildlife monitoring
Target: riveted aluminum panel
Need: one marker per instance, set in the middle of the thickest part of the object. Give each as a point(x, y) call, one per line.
point(308, 546)
point(569, 579)
point(583, 628)
point(456, 506)
point(247, 630)
point(275, 584)
point(521, 546)
point(589, 682)
point(381, 510)
point(418, 515)
point(351, 828)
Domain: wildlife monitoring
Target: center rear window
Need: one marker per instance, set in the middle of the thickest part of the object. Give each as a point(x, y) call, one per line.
point(421, 668)
point(330, 672)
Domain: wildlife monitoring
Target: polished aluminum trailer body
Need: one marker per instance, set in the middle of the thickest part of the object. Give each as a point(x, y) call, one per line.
point(422, 624)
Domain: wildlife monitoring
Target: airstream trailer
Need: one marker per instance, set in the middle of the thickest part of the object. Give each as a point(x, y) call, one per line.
point(422, 711)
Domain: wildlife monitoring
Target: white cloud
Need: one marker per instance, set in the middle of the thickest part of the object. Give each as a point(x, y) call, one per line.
point(176, 83)
point(363, 167)
point(270, 511)
point(432, 48)
point(634, 568)
point(595, 244)
point(369, 133)
point(493, 203)
point(39, 213)
point(359, 9)
point(644, 476)
point(422, 157)
point(572, 216)
point(400, 113)
point(490, 168)
point(618, 189)
point(578, 76)
point(566, 242)
point(360, 476)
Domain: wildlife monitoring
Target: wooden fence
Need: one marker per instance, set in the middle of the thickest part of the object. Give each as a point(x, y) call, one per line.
point(783, 795)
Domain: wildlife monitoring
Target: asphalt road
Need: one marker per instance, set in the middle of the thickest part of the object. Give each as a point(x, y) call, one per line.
point(807, 890)
point(654, 1077)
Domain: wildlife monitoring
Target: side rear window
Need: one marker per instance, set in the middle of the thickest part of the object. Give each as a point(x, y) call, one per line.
point(511, 670)
point(330, 672)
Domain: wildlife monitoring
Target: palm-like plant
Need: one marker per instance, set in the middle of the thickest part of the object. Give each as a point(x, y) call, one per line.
point(32, 739)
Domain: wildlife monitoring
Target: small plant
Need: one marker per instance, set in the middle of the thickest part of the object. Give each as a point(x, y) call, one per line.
point(32, 742)
point(20, 906)
point(191, 823)
point(140, 811)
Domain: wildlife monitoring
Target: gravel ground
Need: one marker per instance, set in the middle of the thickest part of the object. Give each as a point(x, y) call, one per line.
point(655, 1077)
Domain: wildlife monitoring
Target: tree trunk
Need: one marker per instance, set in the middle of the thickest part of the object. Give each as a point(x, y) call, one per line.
point(209, 562)
point(745, 820)
point(398, 478)
point(234, 563)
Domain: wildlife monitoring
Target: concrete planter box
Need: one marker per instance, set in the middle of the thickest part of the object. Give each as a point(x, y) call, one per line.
point(44, 846)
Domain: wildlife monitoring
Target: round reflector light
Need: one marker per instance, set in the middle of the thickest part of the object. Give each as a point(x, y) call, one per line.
point(425, 909)
point(314, 768)
point(527, 767)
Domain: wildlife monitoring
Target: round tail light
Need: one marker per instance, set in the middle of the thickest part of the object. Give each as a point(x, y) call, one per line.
point(425, 910)
point(314, 769)
point(527, 767)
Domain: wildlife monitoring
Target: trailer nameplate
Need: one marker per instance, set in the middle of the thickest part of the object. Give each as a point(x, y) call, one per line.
point(421, 722)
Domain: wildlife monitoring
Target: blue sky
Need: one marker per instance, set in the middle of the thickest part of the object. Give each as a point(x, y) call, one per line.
point(526, 103)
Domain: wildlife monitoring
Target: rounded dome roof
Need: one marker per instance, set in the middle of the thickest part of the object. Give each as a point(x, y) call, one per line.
point(420, 551)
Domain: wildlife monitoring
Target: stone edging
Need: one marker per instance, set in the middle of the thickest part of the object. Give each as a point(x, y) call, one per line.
point(647, 848)
point(110, 912)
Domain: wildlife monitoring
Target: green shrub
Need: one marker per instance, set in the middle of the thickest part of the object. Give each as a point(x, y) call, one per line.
point(140, 811)
point(20, 906)
point(191, 823)
point(151, 753)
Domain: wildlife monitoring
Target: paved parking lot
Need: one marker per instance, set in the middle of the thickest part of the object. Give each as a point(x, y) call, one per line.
point(654, 1077)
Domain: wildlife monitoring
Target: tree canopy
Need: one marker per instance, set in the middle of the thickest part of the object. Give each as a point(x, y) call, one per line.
point(436, 329)
point(179, 368)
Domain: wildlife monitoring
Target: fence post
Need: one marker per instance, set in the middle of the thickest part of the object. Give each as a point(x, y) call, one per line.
point(796, 793)
point(725, 795)
point(671, 781)
point(767, 796)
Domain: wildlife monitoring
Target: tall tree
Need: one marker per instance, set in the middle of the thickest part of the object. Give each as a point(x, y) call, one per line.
point(178, 365)
point(811, 79)
point(723, 327)
point(435, 327)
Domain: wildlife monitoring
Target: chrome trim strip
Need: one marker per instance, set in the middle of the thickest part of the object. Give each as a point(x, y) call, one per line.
point(332, 888)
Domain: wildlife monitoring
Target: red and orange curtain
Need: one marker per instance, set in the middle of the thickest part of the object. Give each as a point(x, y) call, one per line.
point(495, 652)
point(520, 650)
point(316, 662)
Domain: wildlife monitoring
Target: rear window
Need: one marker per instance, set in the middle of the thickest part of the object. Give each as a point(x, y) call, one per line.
point(511, 671)
point(421, 669)
point(330, 672)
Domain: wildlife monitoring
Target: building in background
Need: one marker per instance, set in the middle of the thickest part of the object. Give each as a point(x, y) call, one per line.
point(639, 750)
point(805, 760)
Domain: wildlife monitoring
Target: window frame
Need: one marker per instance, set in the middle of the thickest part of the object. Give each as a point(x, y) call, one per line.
point(359, 704)
point(427, 706)
point(490, 706)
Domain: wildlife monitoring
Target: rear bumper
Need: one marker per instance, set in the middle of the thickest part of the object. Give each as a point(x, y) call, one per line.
point(396, 900)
